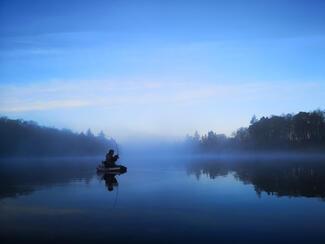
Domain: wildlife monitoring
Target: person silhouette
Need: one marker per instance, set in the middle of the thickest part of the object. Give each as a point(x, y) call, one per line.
point(110, 159)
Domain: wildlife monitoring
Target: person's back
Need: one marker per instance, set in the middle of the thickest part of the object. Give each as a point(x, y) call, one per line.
point(111, 159)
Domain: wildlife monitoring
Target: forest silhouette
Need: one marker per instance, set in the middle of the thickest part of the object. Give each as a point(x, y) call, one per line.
point(301, 131)
point(27, 138)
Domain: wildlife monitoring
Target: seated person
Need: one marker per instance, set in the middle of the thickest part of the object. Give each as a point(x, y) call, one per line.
point(110, 159)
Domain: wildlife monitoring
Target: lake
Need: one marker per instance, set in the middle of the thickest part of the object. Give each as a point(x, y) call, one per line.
point(177, 199)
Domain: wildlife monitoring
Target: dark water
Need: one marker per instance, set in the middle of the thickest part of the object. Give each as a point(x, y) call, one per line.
point(163, 200)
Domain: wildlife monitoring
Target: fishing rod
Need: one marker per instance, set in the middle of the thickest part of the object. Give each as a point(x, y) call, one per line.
point(116, 147)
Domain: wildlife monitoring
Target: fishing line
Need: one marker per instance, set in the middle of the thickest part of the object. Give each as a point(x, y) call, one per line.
point(116, 196)
point(116, 147)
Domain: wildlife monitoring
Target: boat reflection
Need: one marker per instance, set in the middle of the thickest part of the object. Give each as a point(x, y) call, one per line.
point(293, 178)
point(110, 179)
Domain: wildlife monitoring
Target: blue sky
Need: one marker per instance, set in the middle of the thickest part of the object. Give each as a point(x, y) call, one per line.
point(160, 68)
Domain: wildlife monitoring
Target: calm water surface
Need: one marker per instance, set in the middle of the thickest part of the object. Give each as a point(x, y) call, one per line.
point(163, 200)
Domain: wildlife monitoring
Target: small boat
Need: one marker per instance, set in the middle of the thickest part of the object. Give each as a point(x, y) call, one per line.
point(116, 168)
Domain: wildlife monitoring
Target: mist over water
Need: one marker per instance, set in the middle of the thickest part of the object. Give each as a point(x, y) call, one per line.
point(167, 194)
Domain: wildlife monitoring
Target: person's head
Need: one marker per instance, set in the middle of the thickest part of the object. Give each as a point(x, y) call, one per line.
point(111, 151)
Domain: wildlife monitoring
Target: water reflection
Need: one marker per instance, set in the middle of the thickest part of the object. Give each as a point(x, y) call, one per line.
point(158, 202)
point(22, 177)
point(110, 179)
point(294, 178)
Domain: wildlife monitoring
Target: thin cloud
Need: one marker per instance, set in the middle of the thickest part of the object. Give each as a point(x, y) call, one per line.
point(78, 94)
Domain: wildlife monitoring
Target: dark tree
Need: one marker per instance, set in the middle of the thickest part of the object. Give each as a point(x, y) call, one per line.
point(22, 138)
point(305, 130)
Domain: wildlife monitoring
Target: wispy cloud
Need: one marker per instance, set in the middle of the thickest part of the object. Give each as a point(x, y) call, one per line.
point(70, 94)
point(105, 93)
point(47, 105)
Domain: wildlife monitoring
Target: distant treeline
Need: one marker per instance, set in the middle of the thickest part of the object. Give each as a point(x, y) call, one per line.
point(301, 131)
point(26, 138)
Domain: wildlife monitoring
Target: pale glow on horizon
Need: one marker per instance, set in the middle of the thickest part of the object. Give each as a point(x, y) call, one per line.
point(151, 108)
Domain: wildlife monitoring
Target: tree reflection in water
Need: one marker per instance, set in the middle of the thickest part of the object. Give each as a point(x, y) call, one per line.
point(24, 176)
point(294, 178)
